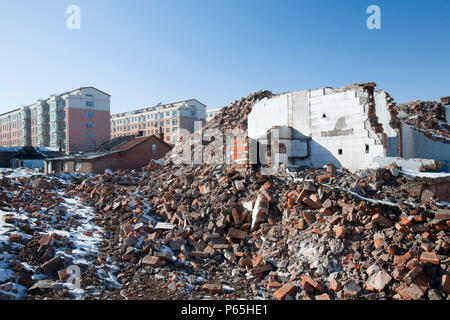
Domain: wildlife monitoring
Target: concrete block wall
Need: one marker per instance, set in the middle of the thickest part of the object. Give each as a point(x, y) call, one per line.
point(417, 145)
point(340, 130)
point(336, 120)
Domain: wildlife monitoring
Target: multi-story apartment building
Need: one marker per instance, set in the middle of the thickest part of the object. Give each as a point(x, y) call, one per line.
point(77, 120)
point(211, 113)
point(171, 118)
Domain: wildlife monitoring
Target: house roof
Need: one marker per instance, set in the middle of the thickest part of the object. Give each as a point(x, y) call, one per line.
point(114, 143)
point(99, 153)
point(27, 152)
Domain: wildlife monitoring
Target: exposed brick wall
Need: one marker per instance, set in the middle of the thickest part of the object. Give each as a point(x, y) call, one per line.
point(137, 157)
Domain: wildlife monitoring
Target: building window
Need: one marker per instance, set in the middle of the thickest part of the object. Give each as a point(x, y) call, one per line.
point(90, 135)
point(193, 113)
point(90, 95)
point(90, 114)
point(367, 148)
point(167, 129)
point(90, 104)
point(154, 147)
point(339, 151)
point(90, 125)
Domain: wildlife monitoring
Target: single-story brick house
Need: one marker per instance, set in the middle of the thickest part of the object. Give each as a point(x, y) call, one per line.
point(122, 153)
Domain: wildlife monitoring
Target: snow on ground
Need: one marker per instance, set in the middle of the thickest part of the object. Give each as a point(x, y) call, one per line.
point(426, 174)
point(19, 173)
point(78, 228)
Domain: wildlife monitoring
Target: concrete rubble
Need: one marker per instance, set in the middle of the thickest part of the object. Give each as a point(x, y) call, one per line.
point(429, 117)
point(174, 231)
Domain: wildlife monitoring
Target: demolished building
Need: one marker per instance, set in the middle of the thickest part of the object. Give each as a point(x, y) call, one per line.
point(348, 127)
point(210, 231)
point(28, 156)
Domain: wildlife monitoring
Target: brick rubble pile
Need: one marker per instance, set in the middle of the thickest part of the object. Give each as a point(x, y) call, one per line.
point(210, 231)
point(426, 116)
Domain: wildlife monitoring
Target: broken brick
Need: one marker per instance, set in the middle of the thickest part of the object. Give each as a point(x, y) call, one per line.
point(429, 257)
point(286, 290)
point(339, 231)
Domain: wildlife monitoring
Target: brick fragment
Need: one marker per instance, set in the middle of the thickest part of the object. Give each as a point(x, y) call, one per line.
point(307, 282)
point(237, 234)
point(378, 281)
point(212, 288)
point(262, 269)
point(378, 240)
point(51, 266)
point(308, 217)
point(412, 292)
point(445, 284)
point(382, 220)
point(430, 257)
point(15, 237)
point(153, 261)
point(340, 231)
point(8, 218)
point(401, 229)
point(442, 214)
point(323, 297)
point(286, 290)
point(335, 286)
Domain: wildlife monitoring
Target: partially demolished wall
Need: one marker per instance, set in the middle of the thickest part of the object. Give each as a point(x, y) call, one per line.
point(341, 124)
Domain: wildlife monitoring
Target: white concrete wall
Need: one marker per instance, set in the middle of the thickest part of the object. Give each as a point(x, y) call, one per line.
point(384, 117)
point(267, 113)
point(417, 145)
point(333, 120)
point(345, 127)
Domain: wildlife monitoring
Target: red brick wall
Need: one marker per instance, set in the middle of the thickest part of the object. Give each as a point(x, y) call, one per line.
point(135, 158)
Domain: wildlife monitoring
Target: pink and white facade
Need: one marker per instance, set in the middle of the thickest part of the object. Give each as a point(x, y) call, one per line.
point(172, 120)
point(77, 120)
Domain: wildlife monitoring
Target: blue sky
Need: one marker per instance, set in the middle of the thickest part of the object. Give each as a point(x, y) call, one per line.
point(144, 52)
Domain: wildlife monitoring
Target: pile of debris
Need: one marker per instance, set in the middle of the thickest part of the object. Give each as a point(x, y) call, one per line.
point(231, 118)
point(324, 235)
point(428, 117)
point(176, 231)
point(42, 234)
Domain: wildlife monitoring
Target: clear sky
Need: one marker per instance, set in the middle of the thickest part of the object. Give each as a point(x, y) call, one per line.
point(145, 52)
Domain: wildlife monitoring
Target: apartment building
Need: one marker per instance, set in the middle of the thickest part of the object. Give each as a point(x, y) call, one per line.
point(76, 120)
point(211, 113)
point(169, 118)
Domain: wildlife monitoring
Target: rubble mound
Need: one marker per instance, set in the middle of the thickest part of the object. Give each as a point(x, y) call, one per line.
point(428, 117)
point(189, 233)
point(231, 117)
